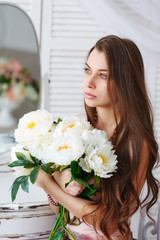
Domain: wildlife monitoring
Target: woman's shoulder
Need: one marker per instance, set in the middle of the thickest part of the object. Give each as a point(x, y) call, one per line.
point(82, 115)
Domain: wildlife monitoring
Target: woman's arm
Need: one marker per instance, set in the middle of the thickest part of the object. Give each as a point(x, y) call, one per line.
point(77, 206)
point(74, 188)
point(54, 208)
point(62, 177)
point(74, 204)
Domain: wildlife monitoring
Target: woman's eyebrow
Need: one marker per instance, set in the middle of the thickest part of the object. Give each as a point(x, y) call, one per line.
point(104, 70)
point(87, 65)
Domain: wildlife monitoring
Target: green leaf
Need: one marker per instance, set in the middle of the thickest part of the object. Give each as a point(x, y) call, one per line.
point(21, 156)
point(88, 176)
point(59, 120)
point(35, 160)
point(28, 166)
point(63, 167)
point(18, 179)
point(14, 190)
point(25, 184)
point(97, 180)
point(27, 162)
point(72, 178)
point(15, 187)
point(25, 149)
point(46, 168)
point(77, 171)
point(34, 174)
point(83, 182)
point(87, 193)
point(22, 161)
point(60, 236)
point(16, 163)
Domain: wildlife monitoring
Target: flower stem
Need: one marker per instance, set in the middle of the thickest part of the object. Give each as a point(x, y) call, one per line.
point(65, 229)
point(60, 222)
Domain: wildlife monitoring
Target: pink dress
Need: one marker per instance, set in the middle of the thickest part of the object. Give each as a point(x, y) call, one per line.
point(87, 232)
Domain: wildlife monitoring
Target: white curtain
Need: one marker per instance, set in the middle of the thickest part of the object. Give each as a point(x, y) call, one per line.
point(137, 20)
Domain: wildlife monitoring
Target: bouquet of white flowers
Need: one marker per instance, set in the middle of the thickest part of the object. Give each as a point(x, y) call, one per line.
point(53, 146)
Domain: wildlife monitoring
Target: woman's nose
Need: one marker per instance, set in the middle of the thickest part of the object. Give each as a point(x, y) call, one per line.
point(91, 82)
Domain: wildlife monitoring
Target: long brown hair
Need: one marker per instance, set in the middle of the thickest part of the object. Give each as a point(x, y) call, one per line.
point(126, 70)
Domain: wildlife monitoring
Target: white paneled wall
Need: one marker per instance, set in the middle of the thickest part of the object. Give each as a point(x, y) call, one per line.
point(69, 19)
point(66, 82)
point(68, 32)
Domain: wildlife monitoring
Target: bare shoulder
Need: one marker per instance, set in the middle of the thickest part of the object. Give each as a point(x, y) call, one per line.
point(82, 115)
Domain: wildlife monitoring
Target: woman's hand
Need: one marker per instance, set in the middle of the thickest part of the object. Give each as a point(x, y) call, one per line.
point(62, 177)
point(43, 178)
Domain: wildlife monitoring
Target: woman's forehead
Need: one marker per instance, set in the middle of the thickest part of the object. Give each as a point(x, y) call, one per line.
point(97, 59)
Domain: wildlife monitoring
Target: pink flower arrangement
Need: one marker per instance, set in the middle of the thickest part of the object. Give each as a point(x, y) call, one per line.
point(16, 82)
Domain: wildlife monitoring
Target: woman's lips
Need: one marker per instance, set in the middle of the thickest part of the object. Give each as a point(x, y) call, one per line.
point(89, 96)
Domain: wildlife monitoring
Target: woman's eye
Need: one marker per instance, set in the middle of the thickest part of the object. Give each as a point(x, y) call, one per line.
point(103, 76)
point(87, 70)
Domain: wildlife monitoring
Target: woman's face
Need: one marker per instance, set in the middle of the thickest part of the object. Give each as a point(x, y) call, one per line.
point(96, 80)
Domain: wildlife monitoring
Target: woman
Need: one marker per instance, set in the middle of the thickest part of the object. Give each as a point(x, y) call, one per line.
point(116, 101)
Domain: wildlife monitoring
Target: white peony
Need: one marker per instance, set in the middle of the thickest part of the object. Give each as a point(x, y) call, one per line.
point(93, 139)
point(20, 171)
point(40, 146)
point(102, 160)
point(64, 150)
point(73, 126)
point(53, 128)
point(83, 163)
point(33, 125)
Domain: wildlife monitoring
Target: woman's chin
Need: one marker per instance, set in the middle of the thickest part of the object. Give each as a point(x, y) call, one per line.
point(90, 103)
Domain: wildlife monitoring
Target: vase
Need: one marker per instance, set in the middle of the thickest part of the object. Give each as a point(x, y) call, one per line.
point(6, 108)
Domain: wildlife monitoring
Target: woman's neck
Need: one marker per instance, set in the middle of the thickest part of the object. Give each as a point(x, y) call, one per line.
point(106, 120)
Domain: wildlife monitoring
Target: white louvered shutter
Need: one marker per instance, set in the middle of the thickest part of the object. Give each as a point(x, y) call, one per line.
point(68, 32)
